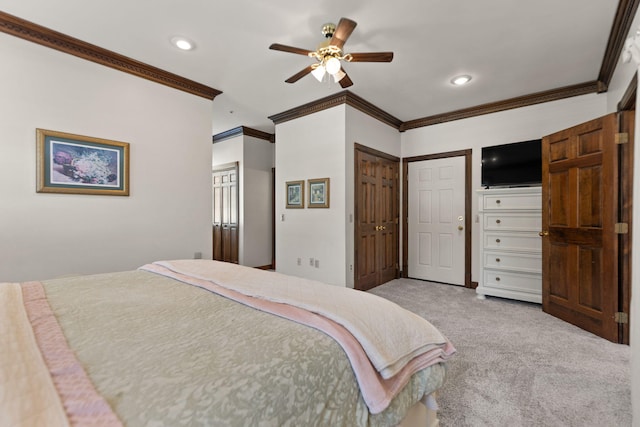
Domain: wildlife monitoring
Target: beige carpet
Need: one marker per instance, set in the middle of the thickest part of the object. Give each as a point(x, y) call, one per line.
point(517, 366)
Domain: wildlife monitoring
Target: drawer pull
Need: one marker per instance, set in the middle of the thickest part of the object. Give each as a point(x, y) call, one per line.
point(497, 279)
point(498, 201)
point(497, 240)
point(497, 221)
point(497, 259)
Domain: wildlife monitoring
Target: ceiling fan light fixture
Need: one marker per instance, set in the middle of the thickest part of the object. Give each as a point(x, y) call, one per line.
point(332, 65)
point(329, 54)
point(319, 72)
point(461, 80)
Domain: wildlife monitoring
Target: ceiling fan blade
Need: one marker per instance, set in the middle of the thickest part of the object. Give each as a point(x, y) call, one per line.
point(372, 57)
point(343, 31)
point(290, 49)
point(345, 81)
point(300, 74)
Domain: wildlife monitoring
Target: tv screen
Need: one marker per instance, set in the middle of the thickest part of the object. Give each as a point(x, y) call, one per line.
point(512, 165)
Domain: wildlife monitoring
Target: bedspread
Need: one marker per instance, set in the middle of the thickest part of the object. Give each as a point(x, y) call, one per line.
point(378, 336)
point(163, 353)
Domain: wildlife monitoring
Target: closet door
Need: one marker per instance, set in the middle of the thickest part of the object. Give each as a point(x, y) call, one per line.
point(225, 213)
point(579, 216)
point(376, 212)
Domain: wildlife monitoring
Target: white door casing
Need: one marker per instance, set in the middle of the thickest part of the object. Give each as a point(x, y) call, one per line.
point(436, 220)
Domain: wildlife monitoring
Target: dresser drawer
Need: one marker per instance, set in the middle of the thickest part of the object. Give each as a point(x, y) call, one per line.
point(531, 263)
point(520, 282)
point(513, 221)
point(512, 202)
point(512, 241)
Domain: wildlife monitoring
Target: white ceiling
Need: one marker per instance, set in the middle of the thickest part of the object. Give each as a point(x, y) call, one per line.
point(510, 47)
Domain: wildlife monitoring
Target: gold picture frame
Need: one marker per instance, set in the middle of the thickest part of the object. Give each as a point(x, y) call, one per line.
point(76, 164)
point(318, 193)
point(295, 194)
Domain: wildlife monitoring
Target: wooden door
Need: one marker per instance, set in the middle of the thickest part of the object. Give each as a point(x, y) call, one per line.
point(626, 126)
point(436, 220)
point(579, 215)
point(225, 213)
point(376, 209)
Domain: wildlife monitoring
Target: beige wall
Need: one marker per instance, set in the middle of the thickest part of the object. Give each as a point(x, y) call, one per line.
point(168, 213)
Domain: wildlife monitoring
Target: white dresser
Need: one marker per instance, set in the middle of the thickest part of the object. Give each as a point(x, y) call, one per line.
point(510, 247)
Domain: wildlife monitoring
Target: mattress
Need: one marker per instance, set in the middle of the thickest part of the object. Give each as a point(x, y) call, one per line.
point(161, 352)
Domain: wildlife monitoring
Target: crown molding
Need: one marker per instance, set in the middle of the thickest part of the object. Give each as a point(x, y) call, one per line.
point(619, 30)
point(349, 98)
point(244, 130)
point(344, 97)
point(38, 34)
point(507, 104)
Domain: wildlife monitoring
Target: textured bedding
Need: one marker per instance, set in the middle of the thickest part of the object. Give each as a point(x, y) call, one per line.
point(163, 353)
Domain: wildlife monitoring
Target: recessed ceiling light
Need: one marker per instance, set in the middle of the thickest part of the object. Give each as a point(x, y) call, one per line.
point(461, 80)
point(183, 43)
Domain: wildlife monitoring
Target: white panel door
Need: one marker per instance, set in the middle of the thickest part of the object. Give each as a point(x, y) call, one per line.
point(436, 220)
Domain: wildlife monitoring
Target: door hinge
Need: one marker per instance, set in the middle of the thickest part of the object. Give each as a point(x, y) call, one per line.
point(621, 228)
point(621, 317)
point(396, 220)
point(621, 138)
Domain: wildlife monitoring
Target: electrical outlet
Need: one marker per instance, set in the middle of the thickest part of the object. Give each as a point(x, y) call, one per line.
point(317, 264)
point(197, 255)
point(299, 261)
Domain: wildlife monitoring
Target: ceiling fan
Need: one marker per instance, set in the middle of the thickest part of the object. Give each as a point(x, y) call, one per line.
point(329, 54)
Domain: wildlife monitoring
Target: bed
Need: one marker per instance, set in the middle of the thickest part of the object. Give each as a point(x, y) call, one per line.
point(198, 342)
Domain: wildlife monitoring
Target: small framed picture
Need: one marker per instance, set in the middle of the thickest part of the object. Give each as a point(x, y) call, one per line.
point(68, 163)
point(318, 193)
point(295, 194)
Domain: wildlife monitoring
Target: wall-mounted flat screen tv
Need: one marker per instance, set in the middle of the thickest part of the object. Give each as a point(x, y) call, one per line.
point(512, 165)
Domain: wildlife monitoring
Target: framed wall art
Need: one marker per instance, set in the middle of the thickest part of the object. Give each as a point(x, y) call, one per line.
point(318, 193)
point(295, 194)
point(75, 164)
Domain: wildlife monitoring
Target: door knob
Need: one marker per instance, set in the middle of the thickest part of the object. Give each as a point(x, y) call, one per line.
point(543, 233)
point(460, 228)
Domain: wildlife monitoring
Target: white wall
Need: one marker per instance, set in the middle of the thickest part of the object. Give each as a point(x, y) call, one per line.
point(257, 184)
point(255, 159)
point(364, 130)
point(504, 127)
point(634, 315)
point(306, 148)
point(230, 151)
point(167, 214)
point(623, 74)
point(321, 145)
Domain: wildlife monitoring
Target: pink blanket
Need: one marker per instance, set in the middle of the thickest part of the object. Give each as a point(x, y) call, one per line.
point(377, 390)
